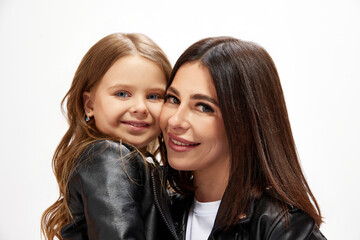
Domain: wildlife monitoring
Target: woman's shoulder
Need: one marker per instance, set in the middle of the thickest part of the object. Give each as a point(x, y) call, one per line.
point(270, 205)
point(281, 219)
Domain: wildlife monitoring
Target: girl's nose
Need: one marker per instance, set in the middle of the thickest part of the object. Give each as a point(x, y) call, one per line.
point(139, 107)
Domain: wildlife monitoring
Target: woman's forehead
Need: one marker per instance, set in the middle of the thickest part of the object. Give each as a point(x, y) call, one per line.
point(193, 78)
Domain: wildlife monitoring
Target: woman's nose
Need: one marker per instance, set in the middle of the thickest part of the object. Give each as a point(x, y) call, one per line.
point(179, 120)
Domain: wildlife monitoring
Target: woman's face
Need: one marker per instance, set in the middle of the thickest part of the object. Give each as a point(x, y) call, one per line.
point(192, 123)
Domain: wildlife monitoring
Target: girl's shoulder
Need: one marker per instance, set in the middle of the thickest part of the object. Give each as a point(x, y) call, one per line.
point(108, 150)
point(106, 155)
point(104, 145)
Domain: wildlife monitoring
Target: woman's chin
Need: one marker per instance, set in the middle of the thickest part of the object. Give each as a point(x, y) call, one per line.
point(179, 166)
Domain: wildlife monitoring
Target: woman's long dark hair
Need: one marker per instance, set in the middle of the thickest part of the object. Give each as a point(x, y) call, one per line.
point(263, 152)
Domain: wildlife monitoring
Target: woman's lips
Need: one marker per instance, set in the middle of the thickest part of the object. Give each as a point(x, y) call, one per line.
point(179, 144)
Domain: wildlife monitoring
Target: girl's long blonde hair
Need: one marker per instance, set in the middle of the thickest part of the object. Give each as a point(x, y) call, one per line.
point(80, 134)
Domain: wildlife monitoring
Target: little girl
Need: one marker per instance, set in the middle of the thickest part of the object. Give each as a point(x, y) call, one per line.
point(113, 107)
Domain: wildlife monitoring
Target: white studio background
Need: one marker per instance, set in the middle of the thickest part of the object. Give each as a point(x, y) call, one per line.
point(315, 45)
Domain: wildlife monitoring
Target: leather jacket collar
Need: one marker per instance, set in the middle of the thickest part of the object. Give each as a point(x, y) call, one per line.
point(264, 220)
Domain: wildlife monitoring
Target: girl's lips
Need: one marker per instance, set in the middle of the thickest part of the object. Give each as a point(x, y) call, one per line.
point(179, 144)
point(137, 126)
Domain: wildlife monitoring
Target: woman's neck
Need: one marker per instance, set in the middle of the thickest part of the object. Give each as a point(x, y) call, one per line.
point(211, 183)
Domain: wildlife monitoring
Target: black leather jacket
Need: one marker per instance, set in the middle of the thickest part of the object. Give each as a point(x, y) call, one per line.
point(112, 196)
point(264, 221)
point(115, 195)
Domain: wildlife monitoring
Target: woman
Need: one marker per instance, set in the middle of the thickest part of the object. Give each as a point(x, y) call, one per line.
point(230, 147)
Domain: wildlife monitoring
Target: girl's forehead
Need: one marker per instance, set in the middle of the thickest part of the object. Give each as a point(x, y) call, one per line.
point(136, 71)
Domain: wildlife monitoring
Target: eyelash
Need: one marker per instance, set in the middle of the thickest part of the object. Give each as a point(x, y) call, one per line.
point(120, 92)
point(158, 96)
point(127, 94)
point(199, 106)
point(168, 96)
point(203, 105)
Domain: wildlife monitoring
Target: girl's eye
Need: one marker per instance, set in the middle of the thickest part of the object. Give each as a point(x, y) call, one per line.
point(171, 99)
point(154, 96)
point(204, 108)
point(122, 94)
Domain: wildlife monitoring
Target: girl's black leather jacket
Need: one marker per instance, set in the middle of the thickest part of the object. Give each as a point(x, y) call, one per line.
point(265, 220)
point(112, 196)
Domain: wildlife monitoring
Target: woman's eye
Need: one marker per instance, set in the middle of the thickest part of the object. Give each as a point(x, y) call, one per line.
point(154, 97)
point(171, 99)
point(122, 94)
point(204, 108)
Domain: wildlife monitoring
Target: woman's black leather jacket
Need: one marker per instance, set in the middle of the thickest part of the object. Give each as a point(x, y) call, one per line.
point(112, 196)
point(265, 220)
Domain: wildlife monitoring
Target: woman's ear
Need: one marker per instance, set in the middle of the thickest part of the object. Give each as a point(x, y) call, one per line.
point(88, 104)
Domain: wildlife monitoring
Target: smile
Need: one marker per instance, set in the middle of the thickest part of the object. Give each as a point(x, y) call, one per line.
point(136, 126)
point(183, 144)
point(139, 124)
point(179, 144)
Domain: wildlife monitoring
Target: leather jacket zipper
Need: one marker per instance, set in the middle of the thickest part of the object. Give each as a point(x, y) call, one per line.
point(160, 209)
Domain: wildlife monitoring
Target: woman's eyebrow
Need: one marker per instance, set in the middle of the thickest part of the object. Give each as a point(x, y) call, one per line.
point(199, 96)
point(173, 90)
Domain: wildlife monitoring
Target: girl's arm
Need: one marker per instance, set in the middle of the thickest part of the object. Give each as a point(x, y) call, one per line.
point(106, 192)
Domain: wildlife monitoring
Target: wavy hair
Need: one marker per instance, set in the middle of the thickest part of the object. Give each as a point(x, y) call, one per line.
point(80, 134)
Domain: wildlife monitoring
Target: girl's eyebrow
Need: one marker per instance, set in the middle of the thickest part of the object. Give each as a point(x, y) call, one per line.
point(197, 96)
point(119, 86)
point(127, 86)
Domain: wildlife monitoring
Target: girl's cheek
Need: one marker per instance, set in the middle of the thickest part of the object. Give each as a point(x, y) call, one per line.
point(155, 110)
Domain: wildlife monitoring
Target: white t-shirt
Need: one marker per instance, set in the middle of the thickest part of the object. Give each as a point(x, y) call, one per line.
point(201, 219)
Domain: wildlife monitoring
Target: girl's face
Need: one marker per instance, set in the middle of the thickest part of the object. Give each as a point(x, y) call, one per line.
point(192, 123)
point(127, 101)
